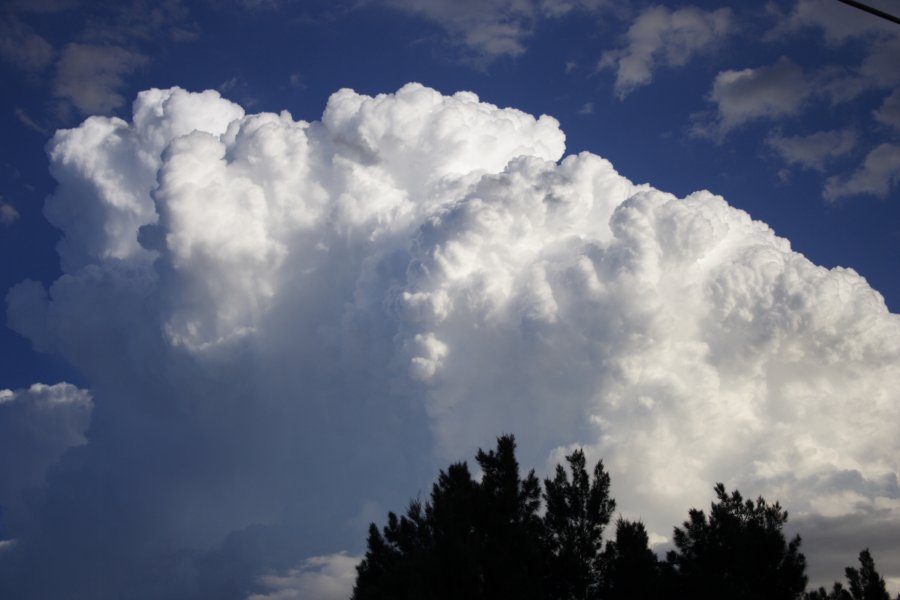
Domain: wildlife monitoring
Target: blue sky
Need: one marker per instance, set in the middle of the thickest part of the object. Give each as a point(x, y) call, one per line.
point(789, 111)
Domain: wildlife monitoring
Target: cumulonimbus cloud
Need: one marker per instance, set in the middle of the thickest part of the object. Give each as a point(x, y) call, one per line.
point(288, 325)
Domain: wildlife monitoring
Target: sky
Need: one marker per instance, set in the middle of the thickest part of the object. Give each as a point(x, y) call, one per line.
point(268, 265)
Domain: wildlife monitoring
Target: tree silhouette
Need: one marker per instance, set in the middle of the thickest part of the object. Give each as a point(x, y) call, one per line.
point(738, 552)
point(471, 540)
point(488, 539)
point(865, 583)
point(628, 568)
point(578, 510)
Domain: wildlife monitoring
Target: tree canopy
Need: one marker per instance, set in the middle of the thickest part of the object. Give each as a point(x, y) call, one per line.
point(738, 551)
point(507, 536)
point(865, 583)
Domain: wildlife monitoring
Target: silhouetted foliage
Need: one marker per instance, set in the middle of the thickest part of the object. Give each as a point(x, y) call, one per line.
point(578, 510)
point(471, 540)
point(865, 583)
point(487, 539)
point(738, 552)
point(628, 568)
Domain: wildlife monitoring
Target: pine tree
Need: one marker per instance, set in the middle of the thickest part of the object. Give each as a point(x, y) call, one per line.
point(629, 569)
point(578, 510)
point(865, 583)
point(738, 552)
point(474, 540)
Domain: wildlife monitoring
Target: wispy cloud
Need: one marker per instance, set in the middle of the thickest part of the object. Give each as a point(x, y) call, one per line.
point(96, 54)
point(26, 120)
point(8, 213)
point(813, 151)
point(877, 176)
point(889, 112)
point(91, 76)
point(21, 46)
point(662, 37)
point(837, 22)
point(491, 29)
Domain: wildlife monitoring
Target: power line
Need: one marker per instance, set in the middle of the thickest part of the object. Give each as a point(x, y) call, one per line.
point(871, 10)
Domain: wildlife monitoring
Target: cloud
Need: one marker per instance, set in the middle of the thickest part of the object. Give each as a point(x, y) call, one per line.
point(768, 92)
point(813, 151)
point(877, 176)
point(491, 29)
point(111, 43)
point(288, 326)
point(880, 66)
point(91, 76)
point(838, 23)
point(661, 37)
point(44, 6)
point(321, 577)
point(115, 167)
point(37, 425)
point(889, 111)
point(839, 540)
point(22, 47)
point(26, 120)
point(8, 213)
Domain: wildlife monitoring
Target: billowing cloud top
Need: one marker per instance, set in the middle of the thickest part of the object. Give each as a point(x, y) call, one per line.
point(287, 325)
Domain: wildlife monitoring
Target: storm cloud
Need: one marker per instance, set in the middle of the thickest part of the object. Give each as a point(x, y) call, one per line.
point(287, 326)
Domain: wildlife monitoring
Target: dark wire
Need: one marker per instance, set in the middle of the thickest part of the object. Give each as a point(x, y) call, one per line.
point(874, 11)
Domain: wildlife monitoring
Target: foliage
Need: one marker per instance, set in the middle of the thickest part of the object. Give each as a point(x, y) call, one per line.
point(504, 537)
point(628, 568)
point(577, 513)
point(739, 552)
point(486, 539)
point(865, 583)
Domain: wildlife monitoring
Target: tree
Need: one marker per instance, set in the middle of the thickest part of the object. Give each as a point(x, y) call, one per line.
point(738, 552)
point(577, 513)
point(865, 583)
point(471, 540)
point(629, 569)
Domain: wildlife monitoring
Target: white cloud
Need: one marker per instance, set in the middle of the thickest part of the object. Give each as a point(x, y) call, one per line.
point(91, 76)
point(877, 176)
point(318, 578)
point(116, 166)
point(768, 92)
point(813, 151)
point(661, 37)
point(285, 323)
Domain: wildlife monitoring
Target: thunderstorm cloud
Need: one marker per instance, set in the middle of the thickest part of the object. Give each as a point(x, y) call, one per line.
point(288, 326)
